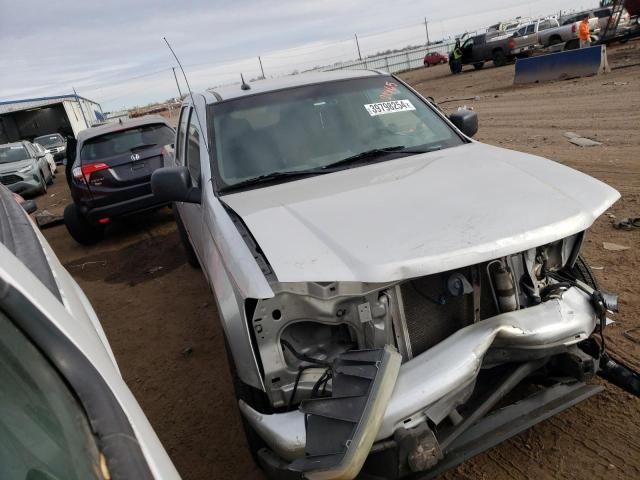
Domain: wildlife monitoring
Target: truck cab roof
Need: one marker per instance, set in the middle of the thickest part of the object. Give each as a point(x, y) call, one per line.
point(220, 94)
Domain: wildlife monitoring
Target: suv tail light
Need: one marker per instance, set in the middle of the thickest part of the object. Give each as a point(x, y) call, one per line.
point(574, 28)
point(84, 172)
point(511, 44)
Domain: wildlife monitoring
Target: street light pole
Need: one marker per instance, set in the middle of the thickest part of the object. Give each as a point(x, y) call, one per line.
point(426, 27)
point(358, 45)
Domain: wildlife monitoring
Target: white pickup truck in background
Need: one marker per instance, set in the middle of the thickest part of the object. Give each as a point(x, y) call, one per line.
point(545, 32)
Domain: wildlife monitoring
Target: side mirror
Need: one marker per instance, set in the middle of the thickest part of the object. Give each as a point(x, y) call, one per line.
point(173, 184)
point(466, 121)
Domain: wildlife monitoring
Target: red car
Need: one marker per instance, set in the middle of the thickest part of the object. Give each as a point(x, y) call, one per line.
point(435, 58)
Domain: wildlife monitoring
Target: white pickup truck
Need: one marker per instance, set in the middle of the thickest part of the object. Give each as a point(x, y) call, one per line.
point(546, 32)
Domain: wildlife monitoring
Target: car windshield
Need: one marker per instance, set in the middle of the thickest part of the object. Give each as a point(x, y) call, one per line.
point(49, 140)
point(315, 126)
point(126, 141)
point(13, 153)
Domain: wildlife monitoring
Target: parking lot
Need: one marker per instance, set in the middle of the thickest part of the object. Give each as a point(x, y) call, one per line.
point(161, 321)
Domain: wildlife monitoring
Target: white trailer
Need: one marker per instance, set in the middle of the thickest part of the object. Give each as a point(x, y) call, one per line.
point(30, 118)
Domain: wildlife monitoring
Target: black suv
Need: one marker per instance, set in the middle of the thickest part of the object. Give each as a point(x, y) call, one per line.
point(111, 172)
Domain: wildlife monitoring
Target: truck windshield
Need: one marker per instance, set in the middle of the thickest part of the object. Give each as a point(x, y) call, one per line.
point(126, 141)
point(315, 126)
point(49, 140)
point(13, 153)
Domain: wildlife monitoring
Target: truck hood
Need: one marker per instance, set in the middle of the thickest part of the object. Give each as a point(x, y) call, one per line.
point(15, 166)
point(418, 215)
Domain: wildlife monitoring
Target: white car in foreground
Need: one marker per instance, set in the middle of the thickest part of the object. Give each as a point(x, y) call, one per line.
point(383, 281)
point(65, 411)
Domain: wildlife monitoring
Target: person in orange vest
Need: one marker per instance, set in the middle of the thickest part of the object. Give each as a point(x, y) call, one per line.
point(583, 33)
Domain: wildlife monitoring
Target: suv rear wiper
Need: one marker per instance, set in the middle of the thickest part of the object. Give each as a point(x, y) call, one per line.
point(274, 176)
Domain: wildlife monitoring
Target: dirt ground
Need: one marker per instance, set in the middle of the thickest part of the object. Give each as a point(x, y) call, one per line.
point(160, 317)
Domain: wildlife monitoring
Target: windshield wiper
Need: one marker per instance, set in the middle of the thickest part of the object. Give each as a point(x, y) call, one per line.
point(380, 152)
point(330, 168)
point(143, 145)
point(267, 177)
point(373, 153)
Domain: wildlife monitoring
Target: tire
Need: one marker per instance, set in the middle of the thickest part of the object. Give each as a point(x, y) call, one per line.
point(572, 44)
point(581, 271)
point(253, 397)
point(43, 184)
point(499, 58)
point(554, 41)
point(189, 252)
point(478, 65)
point(79, 227)
point(50, 181)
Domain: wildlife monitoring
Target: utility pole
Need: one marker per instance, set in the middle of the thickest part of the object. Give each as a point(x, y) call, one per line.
point(358, 45)
point(426, 27)
point(177, 84)
point(261, 69)
point(81, 109)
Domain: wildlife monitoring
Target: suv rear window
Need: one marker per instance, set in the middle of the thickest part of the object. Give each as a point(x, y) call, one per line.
point(125, 141)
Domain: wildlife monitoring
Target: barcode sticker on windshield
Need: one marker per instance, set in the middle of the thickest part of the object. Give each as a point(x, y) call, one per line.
point(394, 106)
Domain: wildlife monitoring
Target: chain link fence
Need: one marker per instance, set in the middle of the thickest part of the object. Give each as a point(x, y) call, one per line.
point(393, 62)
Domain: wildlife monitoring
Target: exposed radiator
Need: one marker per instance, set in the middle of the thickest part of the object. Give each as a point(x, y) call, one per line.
point(428, 321)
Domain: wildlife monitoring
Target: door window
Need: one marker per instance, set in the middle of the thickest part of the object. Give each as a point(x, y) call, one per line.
point(182, 130)
point(544, 25)
point(192, 160)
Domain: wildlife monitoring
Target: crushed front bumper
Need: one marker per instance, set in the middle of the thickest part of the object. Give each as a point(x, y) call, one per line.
point(432, 384)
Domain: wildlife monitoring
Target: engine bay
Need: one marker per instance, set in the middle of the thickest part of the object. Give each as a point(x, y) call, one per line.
point(300, 331)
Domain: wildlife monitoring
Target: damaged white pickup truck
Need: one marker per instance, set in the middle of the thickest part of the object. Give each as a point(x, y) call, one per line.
point(383, 280)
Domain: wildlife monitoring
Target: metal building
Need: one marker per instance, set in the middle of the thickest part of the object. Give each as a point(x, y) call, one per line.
point(32, 117)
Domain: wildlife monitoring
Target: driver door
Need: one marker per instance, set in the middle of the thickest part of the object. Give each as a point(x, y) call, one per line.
point(188, 154)
point(467, 51)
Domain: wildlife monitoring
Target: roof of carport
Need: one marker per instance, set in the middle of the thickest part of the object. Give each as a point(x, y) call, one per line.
point(28, 103)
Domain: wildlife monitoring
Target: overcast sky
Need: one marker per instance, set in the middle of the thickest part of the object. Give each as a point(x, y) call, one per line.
point(112, 50)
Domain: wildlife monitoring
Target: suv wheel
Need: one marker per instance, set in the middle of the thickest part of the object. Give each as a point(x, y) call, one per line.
point(192, 259)
point(80, 228)
point(499, 58)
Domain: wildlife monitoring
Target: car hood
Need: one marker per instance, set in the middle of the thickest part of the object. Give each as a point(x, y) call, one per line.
point(15, 166)
point(418, 215)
